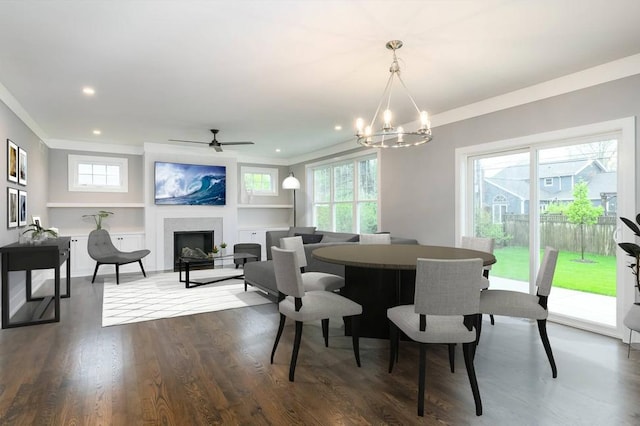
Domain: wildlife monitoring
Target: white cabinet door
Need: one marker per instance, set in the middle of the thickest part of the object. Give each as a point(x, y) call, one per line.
point(129, 242)
point(81, 263)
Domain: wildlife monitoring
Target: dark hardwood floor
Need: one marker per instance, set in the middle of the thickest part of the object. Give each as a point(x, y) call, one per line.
point(214, 368)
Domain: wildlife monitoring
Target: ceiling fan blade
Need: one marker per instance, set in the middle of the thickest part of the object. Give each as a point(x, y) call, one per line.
point(182, 140)
point(236, 143)
point(218, 148)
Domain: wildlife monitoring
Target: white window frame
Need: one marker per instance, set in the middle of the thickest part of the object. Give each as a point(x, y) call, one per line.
point(73, 179)
point(626, 128)
point(355, 159)
point(272, 171)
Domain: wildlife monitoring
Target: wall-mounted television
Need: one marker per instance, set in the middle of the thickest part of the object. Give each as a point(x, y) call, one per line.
point(190, 184)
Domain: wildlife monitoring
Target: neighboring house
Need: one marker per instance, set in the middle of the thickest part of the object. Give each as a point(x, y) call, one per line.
point(508, 190)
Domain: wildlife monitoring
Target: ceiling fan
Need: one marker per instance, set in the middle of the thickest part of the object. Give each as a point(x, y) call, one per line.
point(214, 143)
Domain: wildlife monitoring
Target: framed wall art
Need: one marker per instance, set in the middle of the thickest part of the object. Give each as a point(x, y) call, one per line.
point(22, 166)
point(22, 208)
point(12, 161)
point(12, 207)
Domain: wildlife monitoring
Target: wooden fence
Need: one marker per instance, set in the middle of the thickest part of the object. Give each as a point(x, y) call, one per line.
point(557, 231)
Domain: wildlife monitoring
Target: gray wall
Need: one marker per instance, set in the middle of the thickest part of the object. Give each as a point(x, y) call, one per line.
point(418, 183)
point(11, 127)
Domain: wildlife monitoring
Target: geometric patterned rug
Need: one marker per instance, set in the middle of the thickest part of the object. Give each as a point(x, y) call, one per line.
point(163, 296)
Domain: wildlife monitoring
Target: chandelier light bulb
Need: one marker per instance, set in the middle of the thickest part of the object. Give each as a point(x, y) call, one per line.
point(400, 134)
point(424, 119)
point(359, 126)
point(387, 119)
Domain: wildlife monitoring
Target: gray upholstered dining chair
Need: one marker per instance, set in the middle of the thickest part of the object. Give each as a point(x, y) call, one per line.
point(525, 305)
point(447, 299)
point(304, 306)
point(102, 250)
point(311, 280)
point(375, 238)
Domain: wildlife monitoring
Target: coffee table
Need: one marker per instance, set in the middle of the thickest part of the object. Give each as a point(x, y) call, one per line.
point(187, 262)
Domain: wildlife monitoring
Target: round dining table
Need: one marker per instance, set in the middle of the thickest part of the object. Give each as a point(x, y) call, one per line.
point(380, 276)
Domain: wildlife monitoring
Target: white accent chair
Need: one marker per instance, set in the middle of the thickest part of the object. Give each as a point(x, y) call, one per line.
point(311, 280)
point(525, 305)
point(375, 238)
point(303, 306)
point(447, 299)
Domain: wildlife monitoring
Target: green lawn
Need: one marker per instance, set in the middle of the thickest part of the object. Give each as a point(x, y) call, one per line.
point(598, 277)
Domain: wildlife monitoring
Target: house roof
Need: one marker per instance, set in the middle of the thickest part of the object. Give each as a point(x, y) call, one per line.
point(549, 169)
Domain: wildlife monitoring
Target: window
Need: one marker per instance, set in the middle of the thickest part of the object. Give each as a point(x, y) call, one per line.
point(345, 195)
point(548, 181)
point(261, 181)
point(98, 174)
point(499, 208)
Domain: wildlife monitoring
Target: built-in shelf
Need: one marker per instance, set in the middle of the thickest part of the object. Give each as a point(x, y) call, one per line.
point(94, 205)
point(265, 206)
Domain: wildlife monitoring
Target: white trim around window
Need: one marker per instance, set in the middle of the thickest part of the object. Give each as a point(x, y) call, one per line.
point(98, 174)
point(269, 175)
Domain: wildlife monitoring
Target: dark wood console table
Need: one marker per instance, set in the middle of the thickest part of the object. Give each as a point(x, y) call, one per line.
point(49, 254)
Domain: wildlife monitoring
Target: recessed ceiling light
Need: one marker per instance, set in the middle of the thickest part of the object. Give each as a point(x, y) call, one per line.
point(337, 127)
point(277, 149)
point(88, 91)
point(97, 132)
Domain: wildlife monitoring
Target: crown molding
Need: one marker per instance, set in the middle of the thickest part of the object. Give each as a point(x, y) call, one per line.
point(72, 145)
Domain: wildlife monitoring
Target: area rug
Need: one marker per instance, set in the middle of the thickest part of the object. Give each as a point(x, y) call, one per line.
point(163, 296)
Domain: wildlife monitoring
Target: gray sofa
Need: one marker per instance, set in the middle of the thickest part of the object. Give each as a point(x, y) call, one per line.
point(261, 274)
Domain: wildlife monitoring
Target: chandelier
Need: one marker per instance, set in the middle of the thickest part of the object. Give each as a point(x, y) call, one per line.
point(386, 135)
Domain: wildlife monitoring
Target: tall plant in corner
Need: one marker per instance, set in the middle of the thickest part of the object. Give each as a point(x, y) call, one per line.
point(633, 249)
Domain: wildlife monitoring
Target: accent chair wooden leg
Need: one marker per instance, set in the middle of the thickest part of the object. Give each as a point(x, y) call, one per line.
point(325, 332)
point(452, 356)
point(95, 271)
point(393, 345)
point(283, 319)
point(422, 367)
point(296, 348)
point(542, 328)
point(468, 350)
point(117, 274)
point(355, 337)
point(142, 267)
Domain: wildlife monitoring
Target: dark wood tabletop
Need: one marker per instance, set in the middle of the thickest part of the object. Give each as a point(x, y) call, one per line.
point(394, 256)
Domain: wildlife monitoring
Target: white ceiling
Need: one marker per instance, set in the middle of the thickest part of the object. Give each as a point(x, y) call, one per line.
point(284, 73)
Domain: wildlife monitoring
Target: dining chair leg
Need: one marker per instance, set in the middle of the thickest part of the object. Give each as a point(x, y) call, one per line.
point(325, 332)
point(280, 328)
point(296, 348)
point(355, 337)
point(542, 328)
point(629, 350)
point(492, 321)
point(452, 356)
point(468, 350)
point(393, 345)
point(421, 378)
point(478, 328)
point(117, 274)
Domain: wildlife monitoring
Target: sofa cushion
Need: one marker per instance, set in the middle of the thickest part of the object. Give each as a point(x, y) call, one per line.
point(310, 238)
point(301, 230)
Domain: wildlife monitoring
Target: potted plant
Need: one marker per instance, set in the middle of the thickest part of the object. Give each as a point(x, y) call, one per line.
point(98, 217)
point(223, 248)
point(633, 249)
point(38, 233)
point(214, 250)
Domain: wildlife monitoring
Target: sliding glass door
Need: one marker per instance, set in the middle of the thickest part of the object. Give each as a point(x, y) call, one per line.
point(562, 189)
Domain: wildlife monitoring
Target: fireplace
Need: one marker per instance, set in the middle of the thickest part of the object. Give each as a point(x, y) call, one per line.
point(192, 239)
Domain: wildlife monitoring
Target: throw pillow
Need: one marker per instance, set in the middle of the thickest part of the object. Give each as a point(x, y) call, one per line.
point(301, 230)
point(310, 238)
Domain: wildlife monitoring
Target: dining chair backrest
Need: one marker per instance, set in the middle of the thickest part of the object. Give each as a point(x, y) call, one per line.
point(375, 238)
point(448, 287)
point(287, 271)
point(546, 271)
point(478, 243)
point(296, 244)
